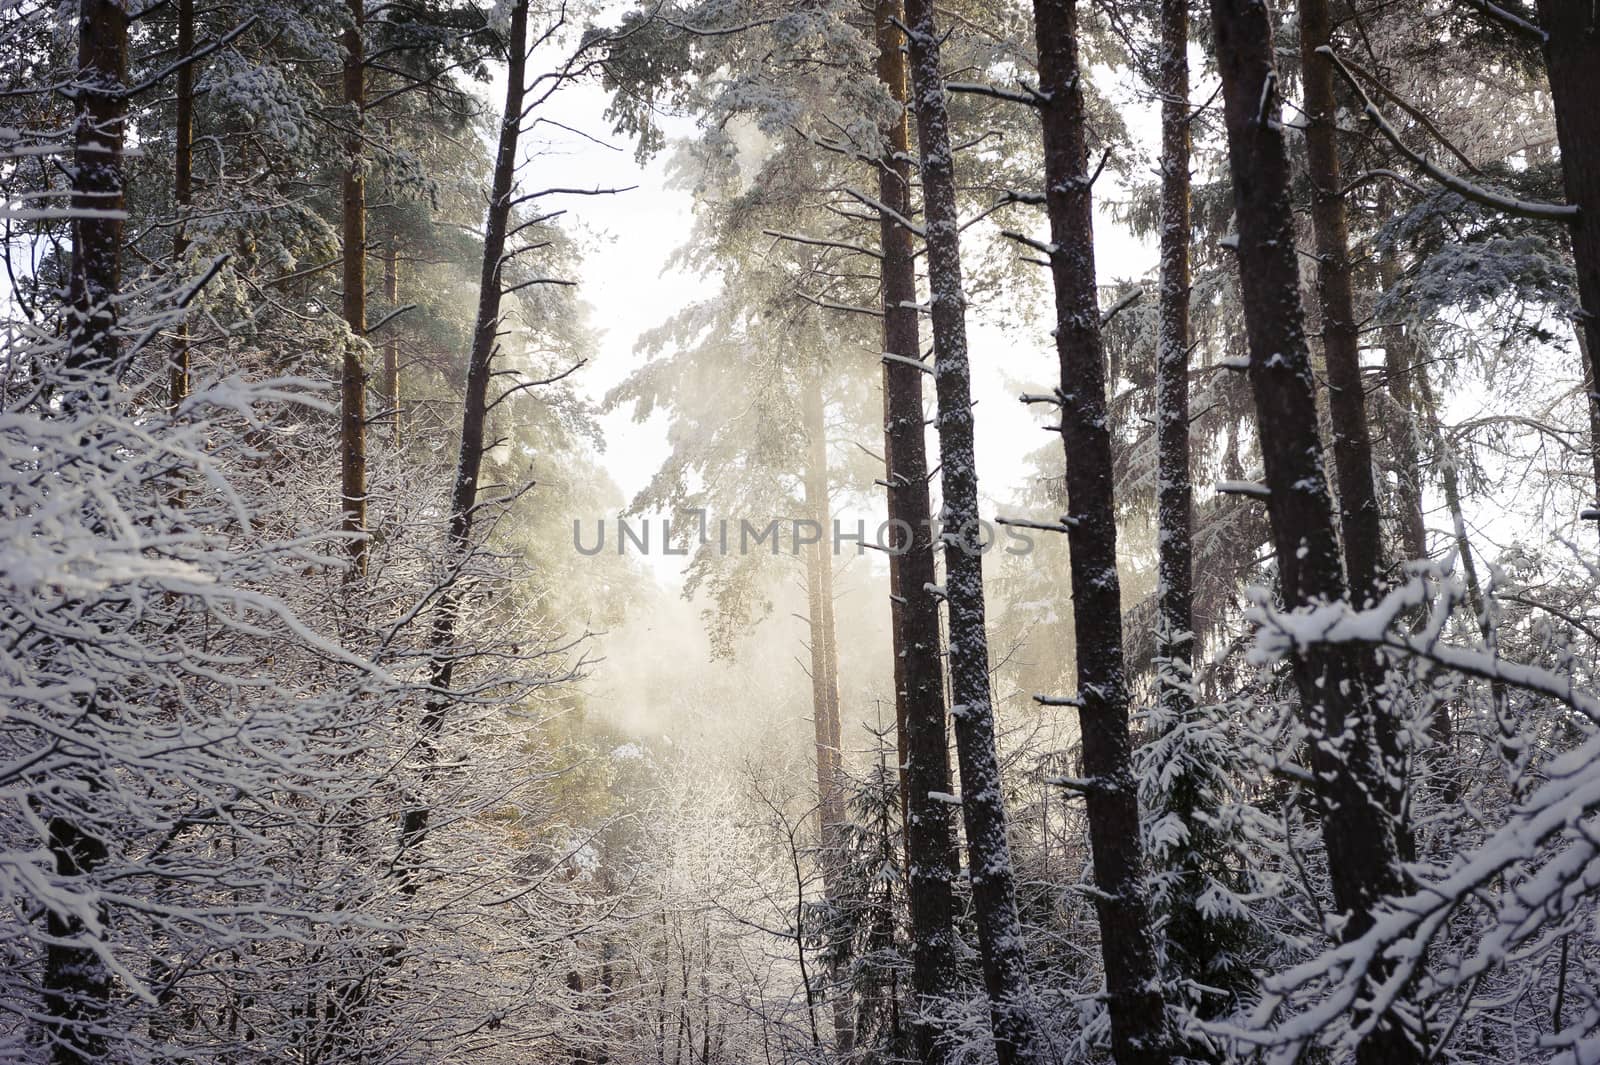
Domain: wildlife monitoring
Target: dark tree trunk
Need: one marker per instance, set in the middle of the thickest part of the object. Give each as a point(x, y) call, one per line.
point(1402, 442)
point(919, 673)
point(1017, 1038)
point(353, 378)
point(1572, 55)
point(1138, 1026)
point(1582, 330)
point(1191, 933)
point(819, 616)
point(1358, 776)
point(474, 418)
point(1359, 516)
point(97, 188)
point(182, 194)
point(1399, 366)
point(76, 983)
point(391, 344)
point(1174, 488)
point(825, 678)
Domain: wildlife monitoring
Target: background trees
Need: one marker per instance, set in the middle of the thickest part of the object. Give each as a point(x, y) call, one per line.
point(324, 741)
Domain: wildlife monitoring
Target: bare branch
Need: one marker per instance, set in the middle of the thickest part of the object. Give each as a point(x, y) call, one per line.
point(819, 242)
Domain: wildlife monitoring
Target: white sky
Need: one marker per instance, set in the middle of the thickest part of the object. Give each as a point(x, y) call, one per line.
point(625, 282)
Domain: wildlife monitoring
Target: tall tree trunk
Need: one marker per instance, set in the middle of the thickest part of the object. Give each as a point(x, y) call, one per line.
point(1017, 1038)
point(391, 344)
point(1192, 934)
point(924, 747)
point(97, 187)
point(825, 680)
point(1360, 523)
point(474, 418)
point(1402, 368)
point(76, 983)
point(1591, 387)
point(353, 379)
point(1174, 488)
point(1450, 479)
point(1399, 366)
point(1572, 54)
point(1138, 1025)
point(1358, 775)
point(182, 194)
point(1359, 516)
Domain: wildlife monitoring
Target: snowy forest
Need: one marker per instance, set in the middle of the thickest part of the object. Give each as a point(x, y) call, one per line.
point(827, 532)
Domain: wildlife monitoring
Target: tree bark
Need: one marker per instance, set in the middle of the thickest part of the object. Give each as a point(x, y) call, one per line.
point(1400, 366)
point(1174, 487)
point(1358, 776)
point(1138, 1026)
point(825, 678)
point(1359, 516)
point(1191, 933)
point(93, 346)
point(474, 418)
point(391, 344)
point(182, 195)
point(924, 747)
point(1572, 52)
point(1404, 372)
point(1017, 1038)
point(76, 983)
point(353, 378)
point(1399, 358)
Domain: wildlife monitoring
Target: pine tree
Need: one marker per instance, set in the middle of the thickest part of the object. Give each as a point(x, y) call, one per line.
point(1566, 31)
point(1017, 1038)
point(919, 673)
point(1138, 1023)
point(1357, 774)
point(1351, 442)
point(353, 216)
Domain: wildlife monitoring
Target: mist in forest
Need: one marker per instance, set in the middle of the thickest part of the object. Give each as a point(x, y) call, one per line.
point(718, 531)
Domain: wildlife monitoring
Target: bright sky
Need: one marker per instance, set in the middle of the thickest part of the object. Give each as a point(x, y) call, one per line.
point(629, 290)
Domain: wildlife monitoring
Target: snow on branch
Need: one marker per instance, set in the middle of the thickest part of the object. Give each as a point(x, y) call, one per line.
point(1560, 812)
point(906, 360)
point(1415, 113)
point(1029, 97)
point(1121, 305)
point(1560, 212)
point(885, 209)
point(189, 60)
point(1509, 18)
point(1527, 878)
point(1253, 489)
point(1037, 245)
point(1064, 525)
point(1339, 622)
point(830, 305)
point(820, 242)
